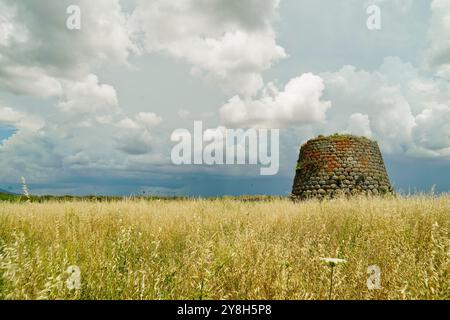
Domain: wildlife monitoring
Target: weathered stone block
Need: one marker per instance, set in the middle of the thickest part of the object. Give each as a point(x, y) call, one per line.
point(340, 164)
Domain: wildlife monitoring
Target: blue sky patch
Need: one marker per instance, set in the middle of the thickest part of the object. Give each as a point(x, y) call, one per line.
point(6, 131)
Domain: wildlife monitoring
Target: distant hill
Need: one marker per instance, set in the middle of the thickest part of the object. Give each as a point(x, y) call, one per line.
point(2, 191)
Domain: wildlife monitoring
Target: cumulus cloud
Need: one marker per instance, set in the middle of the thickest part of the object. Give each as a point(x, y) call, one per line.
point(38, 51)
point(438, 55)
point(359, 124)
point(298, 104)
point(432, 132)
point(404, 111)
point(102, 139)
point(8, 115)
point(229, 41)
point(19, 119)
point(137, 139)
point(358, 91)
point(84, 126)
point(39, 34)
point(149, 119)
point(29, 81)
point(10, 30)
point(88, 97)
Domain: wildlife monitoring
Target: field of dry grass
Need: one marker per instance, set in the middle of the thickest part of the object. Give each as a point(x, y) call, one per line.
point(225, 249)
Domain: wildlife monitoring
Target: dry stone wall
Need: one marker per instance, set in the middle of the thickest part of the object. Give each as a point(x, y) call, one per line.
point(340, 164)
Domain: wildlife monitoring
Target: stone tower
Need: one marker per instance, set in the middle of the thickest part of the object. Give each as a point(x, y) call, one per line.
point(340, 164)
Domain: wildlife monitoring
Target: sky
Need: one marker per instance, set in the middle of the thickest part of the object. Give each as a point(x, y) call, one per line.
point(92, 110)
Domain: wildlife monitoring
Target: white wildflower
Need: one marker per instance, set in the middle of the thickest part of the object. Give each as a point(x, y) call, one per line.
point(333, 261)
